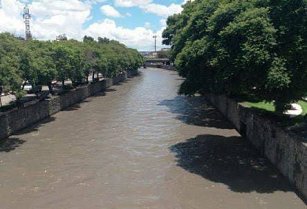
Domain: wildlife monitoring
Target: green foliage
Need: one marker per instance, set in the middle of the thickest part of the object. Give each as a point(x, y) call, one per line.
point(164, 54)
point(238, 47)
point(10, 76)
point(42, 62)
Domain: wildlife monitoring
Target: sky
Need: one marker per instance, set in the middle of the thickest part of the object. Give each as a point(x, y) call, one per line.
point(132, 22)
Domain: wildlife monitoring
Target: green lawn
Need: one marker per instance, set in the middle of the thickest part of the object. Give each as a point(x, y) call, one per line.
point(268, 106)
point(304, 106)
point(268, 109)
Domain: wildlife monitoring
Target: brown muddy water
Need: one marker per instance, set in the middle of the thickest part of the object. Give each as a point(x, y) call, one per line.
point(139, 146)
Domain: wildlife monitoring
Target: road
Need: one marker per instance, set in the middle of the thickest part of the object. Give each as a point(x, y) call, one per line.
point(139, 146)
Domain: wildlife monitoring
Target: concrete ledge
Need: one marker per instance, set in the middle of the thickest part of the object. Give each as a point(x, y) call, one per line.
point(19, 118)
point(286, 150)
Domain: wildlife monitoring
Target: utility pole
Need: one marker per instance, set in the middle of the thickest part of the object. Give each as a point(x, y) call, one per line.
point(27, 17)
point(155, 37)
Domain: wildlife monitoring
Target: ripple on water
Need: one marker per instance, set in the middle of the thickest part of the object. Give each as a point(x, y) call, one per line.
point(139, 146)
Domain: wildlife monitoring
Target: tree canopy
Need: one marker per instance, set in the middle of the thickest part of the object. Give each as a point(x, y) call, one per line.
point(41, 62)
point(233, 47)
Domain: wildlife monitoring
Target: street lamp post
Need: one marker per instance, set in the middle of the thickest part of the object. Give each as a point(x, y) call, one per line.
point(155, 37)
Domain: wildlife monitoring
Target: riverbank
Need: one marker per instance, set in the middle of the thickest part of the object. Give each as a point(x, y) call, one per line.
point(285, 149)
point(32, 112)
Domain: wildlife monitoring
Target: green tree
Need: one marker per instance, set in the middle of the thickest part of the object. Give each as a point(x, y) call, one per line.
point(237, 47)
point(63, 59)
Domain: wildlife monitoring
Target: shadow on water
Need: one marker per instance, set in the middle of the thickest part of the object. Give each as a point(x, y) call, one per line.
point(10, 144)
point(103, 93)
point(121, 83)
point(75, 106)
point(231, 161)
point(196, 111)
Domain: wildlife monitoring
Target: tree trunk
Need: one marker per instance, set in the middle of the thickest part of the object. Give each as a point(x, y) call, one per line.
point(23, 85)
point(86, 79)
point(93, 77)
point(280, 107)
point(50, 88)
point(63, 83)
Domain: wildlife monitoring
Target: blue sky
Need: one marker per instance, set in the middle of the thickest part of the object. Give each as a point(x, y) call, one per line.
point(132, 22)
point(138, 16)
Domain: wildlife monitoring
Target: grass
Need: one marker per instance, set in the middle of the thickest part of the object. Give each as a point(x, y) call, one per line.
point(269, 109)
point(269, 106)
point(304, 106)
point(265, 106)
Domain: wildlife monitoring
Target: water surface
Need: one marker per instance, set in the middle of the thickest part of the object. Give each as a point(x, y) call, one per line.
point(138, 146)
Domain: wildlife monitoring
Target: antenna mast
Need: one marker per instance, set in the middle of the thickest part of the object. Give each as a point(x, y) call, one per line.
point(27, 17)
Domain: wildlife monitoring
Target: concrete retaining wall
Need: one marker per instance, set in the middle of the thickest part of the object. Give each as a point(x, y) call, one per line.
point(35, 111)
point(287, 151)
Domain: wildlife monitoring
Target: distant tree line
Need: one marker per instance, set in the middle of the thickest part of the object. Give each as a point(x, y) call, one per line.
point(234, 47)
point(42, 62)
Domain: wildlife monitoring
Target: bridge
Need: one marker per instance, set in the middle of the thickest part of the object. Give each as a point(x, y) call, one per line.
point(164, 63)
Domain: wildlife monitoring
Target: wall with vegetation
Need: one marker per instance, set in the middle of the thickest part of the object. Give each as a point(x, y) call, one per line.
point(35, 111)
point(286, 150)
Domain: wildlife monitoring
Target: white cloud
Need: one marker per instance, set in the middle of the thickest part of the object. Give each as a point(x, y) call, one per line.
point(131, 3)
point(95, 1)
point(162, 10)
point(163, 22)
point(110, 11)
point(150, 7)
point(51, 18)
point(139, 37)
point(10, 18)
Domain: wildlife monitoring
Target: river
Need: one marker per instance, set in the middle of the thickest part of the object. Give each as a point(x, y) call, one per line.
point(139, 146)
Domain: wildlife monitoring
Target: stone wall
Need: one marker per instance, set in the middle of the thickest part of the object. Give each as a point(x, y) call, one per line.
point(287, 151)
point(35, 111)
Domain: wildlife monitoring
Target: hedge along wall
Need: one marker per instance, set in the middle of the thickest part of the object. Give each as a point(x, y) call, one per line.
point(33, 112)
point(286, 150)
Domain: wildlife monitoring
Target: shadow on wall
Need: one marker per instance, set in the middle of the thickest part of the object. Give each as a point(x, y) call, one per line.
point(196, 111)
point(36, 126)
point(10, 144)
point(231, 161)
point(87, 100)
